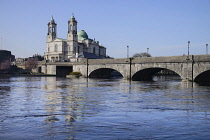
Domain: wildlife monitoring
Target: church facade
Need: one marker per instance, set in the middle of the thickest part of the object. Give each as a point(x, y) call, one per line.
point(70, 49)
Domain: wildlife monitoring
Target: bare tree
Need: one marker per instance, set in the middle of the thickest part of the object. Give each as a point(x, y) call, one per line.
point(144, 54)
point(31, 63)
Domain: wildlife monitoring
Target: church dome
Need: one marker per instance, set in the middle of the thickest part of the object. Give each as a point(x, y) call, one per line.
point(82, 35)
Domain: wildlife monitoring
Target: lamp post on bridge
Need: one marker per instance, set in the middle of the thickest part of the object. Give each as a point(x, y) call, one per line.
point(188, 47)
point(206, 48)
point(127, 51)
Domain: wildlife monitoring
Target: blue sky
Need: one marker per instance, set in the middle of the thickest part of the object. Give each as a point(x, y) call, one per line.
point(163, 26)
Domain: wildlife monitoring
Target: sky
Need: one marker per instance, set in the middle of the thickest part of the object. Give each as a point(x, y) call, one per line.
point(163, 26)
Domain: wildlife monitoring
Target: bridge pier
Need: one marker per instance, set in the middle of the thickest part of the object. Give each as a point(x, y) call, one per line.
point(187, 72)
point(57, 69)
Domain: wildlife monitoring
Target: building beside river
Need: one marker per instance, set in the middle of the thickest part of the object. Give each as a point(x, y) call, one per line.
point(76, 44)
point(5, 59)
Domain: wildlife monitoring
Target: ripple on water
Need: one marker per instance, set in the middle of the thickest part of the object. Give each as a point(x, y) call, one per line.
point(59, 108)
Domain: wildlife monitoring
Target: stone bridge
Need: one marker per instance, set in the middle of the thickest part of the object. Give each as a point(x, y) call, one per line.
point(190, 68)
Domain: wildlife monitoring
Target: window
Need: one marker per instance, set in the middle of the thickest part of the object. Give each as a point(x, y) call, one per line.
point(94, 50)
point(56, 48)
point(78, 50)
point(50, 30)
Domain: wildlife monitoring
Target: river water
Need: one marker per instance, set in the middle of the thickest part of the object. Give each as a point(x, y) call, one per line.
point(51, 108)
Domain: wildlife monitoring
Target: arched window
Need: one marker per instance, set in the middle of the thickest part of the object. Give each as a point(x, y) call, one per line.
point(94, 50)
point(50, 30)
point(55, 48)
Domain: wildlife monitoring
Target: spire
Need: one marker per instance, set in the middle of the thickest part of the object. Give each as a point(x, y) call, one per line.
point(52, 20)
point(72, 19)
point(72, 15)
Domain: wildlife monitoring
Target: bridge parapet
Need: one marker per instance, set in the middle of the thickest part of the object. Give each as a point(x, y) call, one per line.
point(163, 59)
point(60, 63)
point(201, 58)
point(109, 61)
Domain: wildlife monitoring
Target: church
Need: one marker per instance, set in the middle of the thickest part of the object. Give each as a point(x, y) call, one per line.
point(77, 46)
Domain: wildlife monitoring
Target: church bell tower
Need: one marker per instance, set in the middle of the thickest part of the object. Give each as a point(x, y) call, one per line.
point(72, 38)
point(72, 29)
point(52, 30)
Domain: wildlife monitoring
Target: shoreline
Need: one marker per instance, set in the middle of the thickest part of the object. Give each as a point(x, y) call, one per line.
point(27, 75)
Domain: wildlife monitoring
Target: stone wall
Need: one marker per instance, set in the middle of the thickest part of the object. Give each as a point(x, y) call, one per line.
point(51, 69)
point(188, 67)
point(128, 67)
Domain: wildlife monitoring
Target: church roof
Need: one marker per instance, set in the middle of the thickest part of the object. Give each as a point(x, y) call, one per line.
point(72, 15)
point(82, 35)
point(52, 21)
point(62, 39)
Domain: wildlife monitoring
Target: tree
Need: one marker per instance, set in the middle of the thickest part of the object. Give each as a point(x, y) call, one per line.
point(144, 54)
point(31, 63)
point(38, 56)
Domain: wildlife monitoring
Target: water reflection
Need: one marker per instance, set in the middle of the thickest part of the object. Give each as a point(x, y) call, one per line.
point(69, 98)
point(57, 100)
point(59, 108)
point(4, 81)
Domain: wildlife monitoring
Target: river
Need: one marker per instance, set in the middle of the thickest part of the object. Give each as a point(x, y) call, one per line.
point(51, 108)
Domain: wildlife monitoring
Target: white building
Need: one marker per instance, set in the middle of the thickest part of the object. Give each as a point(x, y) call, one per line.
point(58, 49)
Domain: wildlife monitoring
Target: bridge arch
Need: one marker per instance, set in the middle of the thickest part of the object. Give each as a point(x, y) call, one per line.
point(147, 74)
point(105, 73)
point(202, 77)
